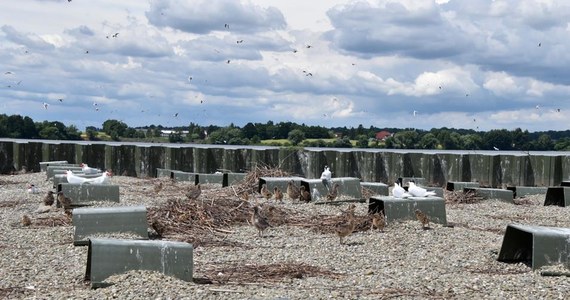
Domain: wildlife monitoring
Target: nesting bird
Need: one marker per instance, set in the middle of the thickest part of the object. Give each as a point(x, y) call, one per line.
point(417, 191)
point(378, 221)
point(305, 195)
point(194, 192)
point(331, 196)
point(399, 192)
point(293, 191)
point(26, 221)
point(423, 218)
point(259, 221)
point(265, 192)
point(49, 199)
point(278, 194)
point(32, 189)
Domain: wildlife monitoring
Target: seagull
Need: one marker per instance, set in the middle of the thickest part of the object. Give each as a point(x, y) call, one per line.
point(115, 35)
point(239, 42)
point(326, 177)
point(496, 149)
point(228, 61)
point(539, 44)
point(309, 46)
point(8, 73)
point(176, 115)
point(189, 78)
point(417, 191)
point(399, 192)
point(88, 170)
point(60, 99)
point(227, 26)
point(415, 112)
point(46, 105)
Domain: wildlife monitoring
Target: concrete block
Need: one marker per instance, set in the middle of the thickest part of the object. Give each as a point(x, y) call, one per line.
point(558, 195)
point(490, 193)
point(565, 183)
point(81, 194)
point(184, 176)
point(378, 188)
point(418, 180)
point(45, 164)
point(163, 172)
point(234, 178)
point(521, 191)
point(459, 186)
point(107, 257)
point(92, 221)
point(349, 187)
point(537, 245)
point(52, 170)
point(404, 209)
point(210, 178)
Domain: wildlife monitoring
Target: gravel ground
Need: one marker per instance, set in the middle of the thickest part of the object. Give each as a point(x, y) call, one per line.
point(403, 262)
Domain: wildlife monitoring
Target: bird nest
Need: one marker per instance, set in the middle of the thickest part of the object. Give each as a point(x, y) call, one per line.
point(253, 273)
point(460, 197)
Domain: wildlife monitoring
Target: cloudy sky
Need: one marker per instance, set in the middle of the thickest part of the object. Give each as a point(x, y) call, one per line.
point(387, 63)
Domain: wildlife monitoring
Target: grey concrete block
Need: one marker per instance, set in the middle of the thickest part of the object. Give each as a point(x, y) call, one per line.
point(459, 186)
point(82, 194)
point(92, 221)
point(404, 209)
point(537, 245)
point(489, 193)
point(107, 257)
point(378, 188)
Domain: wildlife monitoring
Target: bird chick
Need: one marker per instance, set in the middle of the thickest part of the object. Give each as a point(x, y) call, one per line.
point(304, 195)
point(378, 221)
point(194, 192)
point(26, 221)
point(345, 229)
point(278, 194)
point(63, 201)
point(158, 187)
point(49, 199)
point(265, 192)
point(293, 191)
point(259, 221)
point(423, 218)
point(331, 196)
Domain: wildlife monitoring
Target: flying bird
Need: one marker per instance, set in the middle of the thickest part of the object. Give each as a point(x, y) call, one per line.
point(227, 26)
point(539, 44)
point(239, 42)
point(417, 191)
point(46, 105)
point(176, 115)
point(115, 35)
point(228, 61)
point(415, 112)
point(60, 99)
point(496, 149)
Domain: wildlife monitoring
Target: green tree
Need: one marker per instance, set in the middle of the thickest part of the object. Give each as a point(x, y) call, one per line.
point(362, 141)
point(428, 141)
point(115, 128)
point(296, 136)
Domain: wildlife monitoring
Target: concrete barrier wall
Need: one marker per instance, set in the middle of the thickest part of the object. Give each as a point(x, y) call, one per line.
point(489, 168)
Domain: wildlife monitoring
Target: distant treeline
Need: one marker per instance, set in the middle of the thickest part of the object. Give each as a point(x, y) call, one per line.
point(293, 134)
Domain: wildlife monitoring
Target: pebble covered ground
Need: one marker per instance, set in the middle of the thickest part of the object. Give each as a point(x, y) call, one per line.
point(403, 262)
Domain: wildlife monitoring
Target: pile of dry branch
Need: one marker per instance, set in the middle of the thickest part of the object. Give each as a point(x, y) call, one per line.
point(460, 197)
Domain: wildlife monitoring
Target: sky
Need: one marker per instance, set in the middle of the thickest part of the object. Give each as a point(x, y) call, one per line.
point(481, 65)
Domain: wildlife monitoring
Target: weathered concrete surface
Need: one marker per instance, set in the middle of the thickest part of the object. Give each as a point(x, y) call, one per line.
point(489, 168)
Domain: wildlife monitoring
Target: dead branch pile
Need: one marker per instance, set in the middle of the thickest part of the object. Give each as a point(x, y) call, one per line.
point(251, 273)
point(367, 193)
point(250, 183)
point(52, 221)
point(460, 197)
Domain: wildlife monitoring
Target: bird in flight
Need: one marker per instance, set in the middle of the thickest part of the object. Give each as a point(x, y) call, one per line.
point(239, 42)
point(46, 105)
point(227, 26)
